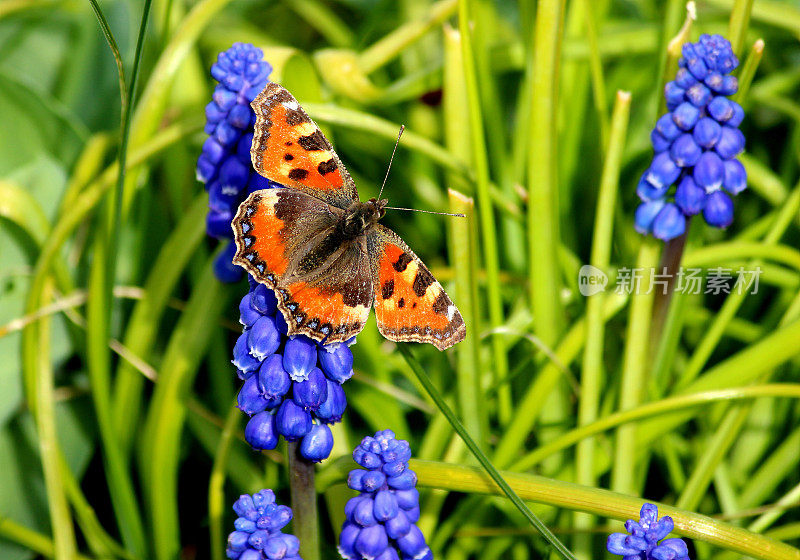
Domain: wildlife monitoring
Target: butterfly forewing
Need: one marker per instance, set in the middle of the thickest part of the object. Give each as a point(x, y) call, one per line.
point(290, 149)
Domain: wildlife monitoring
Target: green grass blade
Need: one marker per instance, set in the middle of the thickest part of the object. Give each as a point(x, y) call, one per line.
point(23, 536)
point(463, 251)
point(142, 327)
point(216, 484)
point(734, 301)
point(153, 100)
point(112, 44)
point(738, 24)
point(393, 44)
point(99, 307)
point(160, 450)
point(592, 373)
point(748, 71)
point(543, 227)
point(634, 368)
point(603, 503)
point(65, 546)
point(533, 400)
point(596, 68)
point(325, 20)
point(120, 485)
point(485, 210)
point(700, 399)
point(485, 462)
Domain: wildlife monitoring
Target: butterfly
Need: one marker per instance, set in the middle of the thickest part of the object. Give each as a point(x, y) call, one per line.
point(322, 250)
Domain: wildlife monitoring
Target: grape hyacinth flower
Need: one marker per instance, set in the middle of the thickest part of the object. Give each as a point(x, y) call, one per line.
point(642, 542)
point(224, 163)
point(258, 527)
point(381, 521)
point(292, 384)
point(695, 145)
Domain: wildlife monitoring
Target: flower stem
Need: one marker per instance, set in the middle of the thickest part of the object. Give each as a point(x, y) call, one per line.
point(304, 502)
point(668, 268)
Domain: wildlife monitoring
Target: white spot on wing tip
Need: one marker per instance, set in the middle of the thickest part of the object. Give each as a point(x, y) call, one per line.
point(451, 311)
point(291, 105)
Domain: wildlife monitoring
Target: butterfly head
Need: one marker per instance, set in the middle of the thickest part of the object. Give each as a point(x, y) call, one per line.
point(360, 216)
point(378, 207)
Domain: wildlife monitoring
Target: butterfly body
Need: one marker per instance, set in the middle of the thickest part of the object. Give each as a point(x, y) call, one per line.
point(322, 250)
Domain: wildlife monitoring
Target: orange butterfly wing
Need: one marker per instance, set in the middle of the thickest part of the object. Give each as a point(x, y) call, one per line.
point(280, 236)
point(410, 305)
point(290, 149)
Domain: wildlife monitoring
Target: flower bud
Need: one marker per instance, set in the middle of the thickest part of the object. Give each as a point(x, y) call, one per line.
point(299, 357)
point(312, 392)
point(292, 421)
point(317, 444)
point(261, 432)
point(272, 378)
point(669, 223)
point(263, 339)
point(718, 211)
point(250, 400)
point(336, 363)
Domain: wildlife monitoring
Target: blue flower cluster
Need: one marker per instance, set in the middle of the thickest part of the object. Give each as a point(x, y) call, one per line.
point(224, 163)
point(292, 385)
point(381, 520)
point(642, 543)
point(258, 530)
point(695, 144)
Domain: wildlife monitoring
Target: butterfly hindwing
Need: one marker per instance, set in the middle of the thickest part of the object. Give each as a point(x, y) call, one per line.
point(290, 149)
point(287, 240)
point(410, 305)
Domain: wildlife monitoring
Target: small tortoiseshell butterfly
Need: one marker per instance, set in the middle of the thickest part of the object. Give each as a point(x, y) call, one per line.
point(322, 250)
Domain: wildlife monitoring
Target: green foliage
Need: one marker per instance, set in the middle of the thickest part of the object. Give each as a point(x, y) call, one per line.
point(117, 433)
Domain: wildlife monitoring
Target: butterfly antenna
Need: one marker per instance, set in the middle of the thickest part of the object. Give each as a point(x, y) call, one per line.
point(425, 211)
point(399, 134)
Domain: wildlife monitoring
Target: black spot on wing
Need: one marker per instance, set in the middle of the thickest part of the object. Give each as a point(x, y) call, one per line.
point(422, 280)
point(298, 174)
point(288, 157)
point(401, 303)
point(402, 262)
point(441, 303)
point(313, 142)
point(327, 166)
point(295, 117)
point(387, 289)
